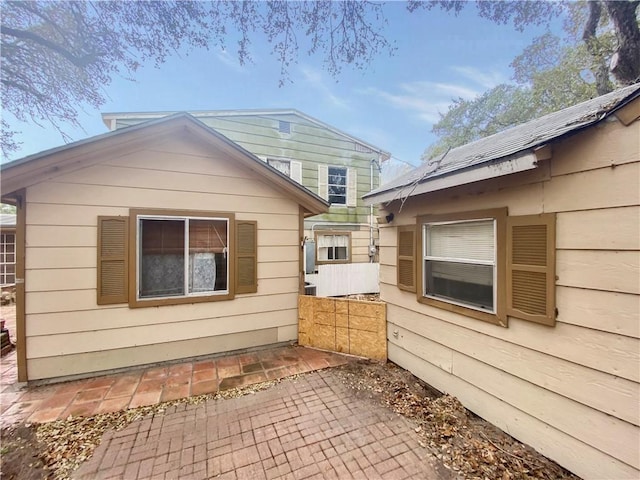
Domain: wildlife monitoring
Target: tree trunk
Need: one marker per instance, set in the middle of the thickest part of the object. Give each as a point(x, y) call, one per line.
point(599, 66)
point(625, 64)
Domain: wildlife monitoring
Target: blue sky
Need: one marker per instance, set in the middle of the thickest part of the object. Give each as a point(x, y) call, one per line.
point(392, 104)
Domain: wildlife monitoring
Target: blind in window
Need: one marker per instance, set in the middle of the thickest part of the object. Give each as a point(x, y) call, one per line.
point(464, 240)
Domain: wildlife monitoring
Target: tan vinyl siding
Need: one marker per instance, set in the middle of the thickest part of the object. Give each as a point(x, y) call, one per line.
point(68, 333)
point(141, 354)
point(572, 390)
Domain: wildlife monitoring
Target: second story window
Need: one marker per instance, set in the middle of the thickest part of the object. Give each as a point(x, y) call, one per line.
point(283, 166)
point(290, 168)
point(337, 185)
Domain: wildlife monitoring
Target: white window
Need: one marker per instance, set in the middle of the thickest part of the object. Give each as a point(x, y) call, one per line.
point(333, 247)
point(338, 185)
point(290, 168)
point(7, 259)
point(182, 256)
point(459, 263)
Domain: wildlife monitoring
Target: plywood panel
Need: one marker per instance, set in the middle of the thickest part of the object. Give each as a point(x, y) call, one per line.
point(116, 338)
point(93, 362)
point(608, 143)
point(607, 311)
point(573, 454)
point(610, 394)
point(616, 271)
point(341, 325)
point(614, 354)
point(368, 344)
point(603, 188)
point(606, 229)
point(603, 432)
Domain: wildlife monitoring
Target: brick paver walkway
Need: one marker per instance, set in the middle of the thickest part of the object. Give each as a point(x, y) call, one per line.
point(309, 427)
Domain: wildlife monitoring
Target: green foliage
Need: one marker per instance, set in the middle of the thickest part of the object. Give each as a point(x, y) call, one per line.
point(468, 120)
point(4, 208)
point(550, 74)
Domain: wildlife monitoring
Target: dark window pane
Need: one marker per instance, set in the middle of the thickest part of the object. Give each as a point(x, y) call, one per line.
point(341, 253)
point(161, 258)
point(460, 282)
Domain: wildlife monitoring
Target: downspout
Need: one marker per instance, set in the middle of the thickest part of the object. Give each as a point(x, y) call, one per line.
point(372, 226)
point(371, 213)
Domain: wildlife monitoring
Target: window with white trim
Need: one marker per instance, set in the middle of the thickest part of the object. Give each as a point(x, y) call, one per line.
point(7, 259)
point(459, 263)
point(182, 256)
point(333, 247)
point(337, 185)
point(283, 166)
point(290, 168)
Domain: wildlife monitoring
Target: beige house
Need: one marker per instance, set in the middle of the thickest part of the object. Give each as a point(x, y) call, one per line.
point(157, 242)
point(511, 272)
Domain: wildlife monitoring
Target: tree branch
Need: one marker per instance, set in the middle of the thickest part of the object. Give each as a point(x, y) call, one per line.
point(80, 62)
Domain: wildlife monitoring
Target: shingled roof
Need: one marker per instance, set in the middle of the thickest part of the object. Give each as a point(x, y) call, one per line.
point(510, 146)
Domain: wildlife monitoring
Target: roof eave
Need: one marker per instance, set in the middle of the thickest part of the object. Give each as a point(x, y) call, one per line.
point(520, 162)
point(26, 167)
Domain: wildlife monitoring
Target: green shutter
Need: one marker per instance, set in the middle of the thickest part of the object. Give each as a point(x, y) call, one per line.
point(531, 268)
point(246, 256)
point(113, 264)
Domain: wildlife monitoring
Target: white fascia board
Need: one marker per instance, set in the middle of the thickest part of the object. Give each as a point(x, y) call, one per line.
point(509, 165)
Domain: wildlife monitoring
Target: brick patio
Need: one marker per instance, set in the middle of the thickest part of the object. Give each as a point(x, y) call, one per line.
point(309, 427)
point(148, 386)
point(306, 427)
